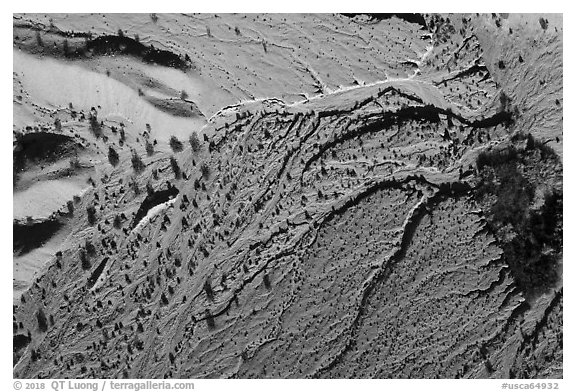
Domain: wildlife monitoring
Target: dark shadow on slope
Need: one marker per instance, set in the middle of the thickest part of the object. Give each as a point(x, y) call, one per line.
point(41, 147)
point(114, 44)
point(96, 273)
point(69, 44)
point(529, 230)
point(152, 200)
point(408, 17)
point(176, 107)
point(19, 344)
point(28, 237)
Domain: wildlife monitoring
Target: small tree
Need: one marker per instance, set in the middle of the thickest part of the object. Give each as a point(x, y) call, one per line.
point(208, 290)
point(39, 41)
point(149, 189)
point(84, 262)
point(113, 157)
point(543, 23)
point(65, 48)
point(91, 211)
point(195, 142)
point(117, 222)
point(137, 163)
point(149, 148)
point(175, 144)
point(90, 248)
point(175, 167)
point(42, 320)
point(205, 170)
point(95, 125)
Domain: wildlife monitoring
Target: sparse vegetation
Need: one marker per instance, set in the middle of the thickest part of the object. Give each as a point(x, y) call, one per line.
point(91, 214)
point(42, 320)
point(113, 157)
point(84, 261)
point(149, 148)
point(531, 238)
point(137, 163)
point(205, 170)
point(195, 142)
point(543, 23)
point(175, 167)
point(95, 125)
point(117, 223)
point(175, 144)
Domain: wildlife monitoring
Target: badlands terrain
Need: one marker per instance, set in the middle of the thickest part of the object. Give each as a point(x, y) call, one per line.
point(287, 196)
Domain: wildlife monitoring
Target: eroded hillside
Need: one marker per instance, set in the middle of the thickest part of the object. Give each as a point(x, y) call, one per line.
point(344, 196)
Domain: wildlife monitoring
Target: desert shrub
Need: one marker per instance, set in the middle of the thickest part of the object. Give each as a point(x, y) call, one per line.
point(75, 162)
point(117, 223)
point(149, 188)
point(175, 144)
point(209, 319)
point(205, 170)
point(95, 125)
point(42, 320)
point(175, 167)
point(113, 157)
point(266, 280)
point(505, 101)
point(84, 262)
point(91, 213)
point(194, 142)
point(137, 163)
point(70, 206)
point(39, 41)
point(90, 248)
point(543, 23)
point(65, 48)
point(208, 290)
point(149, 148)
